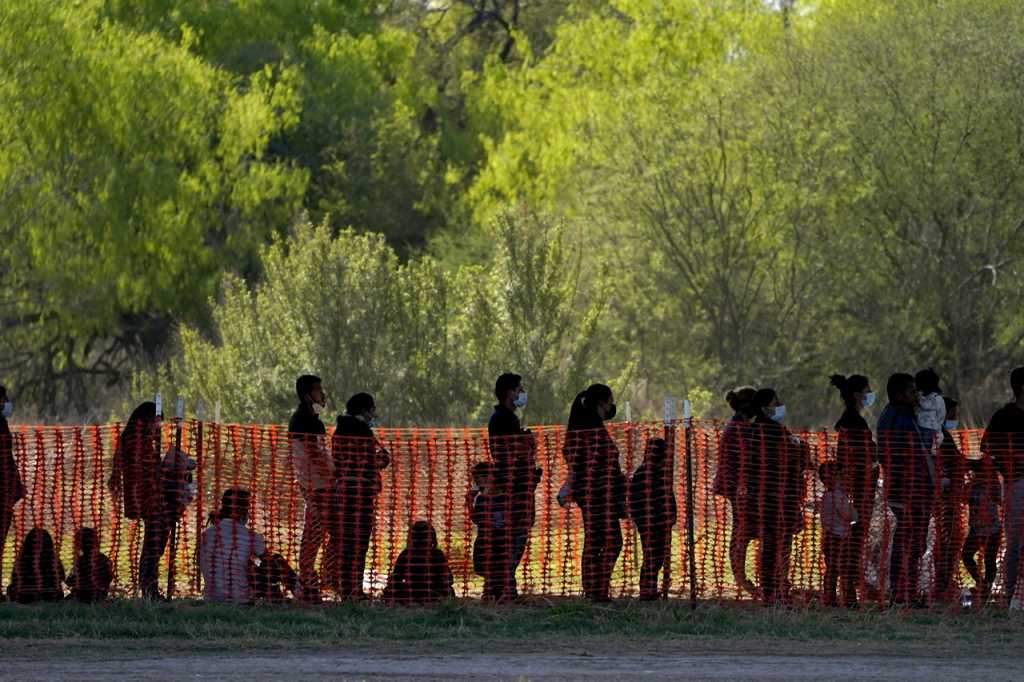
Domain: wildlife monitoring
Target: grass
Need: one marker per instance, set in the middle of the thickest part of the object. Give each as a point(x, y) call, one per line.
point(136, 628)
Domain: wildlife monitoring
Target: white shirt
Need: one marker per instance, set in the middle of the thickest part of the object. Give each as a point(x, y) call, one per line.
point(837, 512)
point(931, 412)
point(224, 553)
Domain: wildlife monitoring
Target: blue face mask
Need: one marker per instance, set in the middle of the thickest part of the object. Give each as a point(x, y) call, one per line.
point(520, 400)
point(780, 413)
point(869, 399)
point(951, 425)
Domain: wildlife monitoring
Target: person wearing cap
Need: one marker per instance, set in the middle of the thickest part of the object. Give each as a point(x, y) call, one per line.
point(358, 461)
point(11, 487)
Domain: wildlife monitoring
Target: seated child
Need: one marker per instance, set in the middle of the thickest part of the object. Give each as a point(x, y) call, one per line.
point(837, 518)
point(491, 511)
point(38, 573)
point(92, 571)
point(420, 574)
point(652, 506)
point(233, 559)
point(931, 407)
point(984, 525)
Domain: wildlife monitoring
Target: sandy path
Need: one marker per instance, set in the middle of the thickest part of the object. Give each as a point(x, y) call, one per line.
point(230, 666)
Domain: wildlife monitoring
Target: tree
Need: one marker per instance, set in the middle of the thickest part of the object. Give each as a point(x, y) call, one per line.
point(131, 174)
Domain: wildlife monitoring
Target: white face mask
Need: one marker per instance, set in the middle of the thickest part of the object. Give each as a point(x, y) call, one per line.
point(520, 400)
point(372, 422)
point(869, 399)
point(951, 424)
point(8, 409)
point(780, 413)
point(318, 409)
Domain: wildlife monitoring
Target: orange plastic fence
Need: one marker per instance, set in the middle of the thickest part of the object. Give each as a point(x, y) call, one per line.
point(778, 516)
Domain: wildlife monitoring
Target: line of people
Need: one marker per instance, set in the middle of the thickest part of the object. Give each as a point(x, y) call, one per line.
point(762, 472)
point(912, 477)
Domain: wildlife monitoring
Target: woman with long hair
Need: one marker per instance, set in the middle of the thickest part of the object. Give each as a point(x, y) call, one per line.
point(730, 482)
point(598, 486)
point(38, 573)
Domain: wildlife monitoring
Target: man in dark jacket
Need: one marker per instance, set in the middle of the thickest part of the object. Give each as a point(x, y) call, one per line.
point(905, 453)
point(358, 461)
point(1004, 442)
point(11, 488)
point(514, 454)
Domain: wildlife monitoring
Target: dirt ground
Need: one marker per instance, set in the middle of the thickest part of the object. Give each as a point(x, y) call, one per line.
point(660, 666)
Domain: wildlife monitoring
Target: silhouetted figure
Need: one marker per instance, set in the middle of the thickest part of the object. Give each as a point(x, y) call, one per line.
point(92, 572)
point(315, 473)
point(358, 461)
point(11, 487)
point(513, 452)
point(838, 519)
point(1004, 442)
point(776, 489)
point(598, 486)
point(905, 452)
point(731, 482)
point(490, 506)
point(421, 574)
point(951, 468)
point(984, 525)
point(38, 573)
point(652, 506)
point(856, 456)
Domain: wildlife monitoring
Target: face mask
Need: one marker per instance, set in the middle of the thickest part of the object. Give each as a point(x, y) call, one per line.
point(520, 400)
point(780, 413)
point(372, 422)
point(8, 409)
point(869, 399)
point(318, 409)
point(952, 425)
point(611, 412)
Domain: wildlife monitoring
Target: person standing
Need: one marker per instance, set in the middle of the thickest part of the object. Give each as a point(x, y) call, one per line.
point(856, 454)
point(776, 490)
point(1004, 442)
point(11, 487)
point(652, 506)
point(731, 480)
point(905, 452)
point(952, 469)
point(513, 452)
point(358, 461)
point(314, 470)
point(598, 486)
point(136, 478)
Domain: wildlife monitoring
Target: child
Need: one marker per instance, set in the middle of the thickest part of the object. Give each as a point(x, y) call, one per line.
point(38, 573)
point(931, 408)
point(984, 525)
point(491, 510)
point(421, 574)
point(92, 572)
point(652, 506)
point(838, 515)
point(228, 555)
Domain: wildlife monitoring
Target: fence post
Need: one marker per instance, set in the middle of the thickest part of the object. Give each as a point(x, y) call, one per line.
point(691, 542)
point(669, 434)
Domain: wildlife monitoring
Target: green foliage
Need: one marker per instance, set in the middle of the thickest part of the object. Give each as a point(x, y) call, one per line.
point(428, 343)
point(131, 175)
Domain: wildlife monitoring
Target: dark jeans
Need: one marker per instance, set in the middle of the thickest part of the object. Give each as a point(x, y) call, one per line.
point(357, 514)
point(908, 546)
point(656, 542)
point(154, 541)
point(842, 556)
point(602, 542)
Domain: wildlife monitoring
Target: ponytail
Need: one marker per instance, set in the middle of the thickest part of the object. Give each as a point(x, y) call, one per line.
point(583, 413)
point(847, 386)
